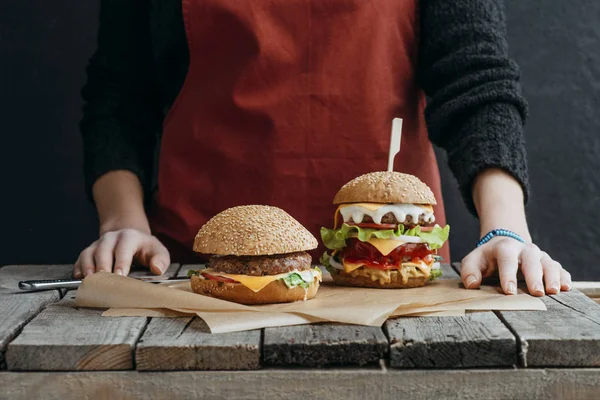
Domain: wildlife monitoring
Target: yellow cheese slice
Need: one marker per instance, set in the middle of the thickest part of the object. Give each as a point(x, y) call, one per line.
point(349, 267)
point(254, 283)
point(385, 246)
point(368, 206)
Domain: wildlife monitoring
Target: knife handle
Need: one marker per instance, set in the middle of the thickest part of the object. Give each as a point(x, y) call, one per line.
point(49, 284)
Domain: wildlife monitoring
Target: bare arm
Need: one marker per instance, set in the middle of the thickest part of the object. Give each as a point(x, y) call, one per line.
point(498, 198)
point(124, 229)
point(119, 200)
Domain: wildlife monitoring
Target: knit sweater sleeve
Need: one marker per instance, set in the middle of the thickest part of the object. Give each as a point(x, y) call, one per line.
point(475, 110)
point(121, 113)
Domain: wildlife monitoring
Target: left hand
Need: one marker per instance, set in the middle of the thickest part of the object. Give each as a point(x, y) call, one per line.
point(505, 256)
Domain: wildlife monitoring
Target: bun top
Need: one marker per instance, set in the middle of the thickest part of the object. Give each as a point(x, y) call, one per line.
point(385, 187)
point(253, 231)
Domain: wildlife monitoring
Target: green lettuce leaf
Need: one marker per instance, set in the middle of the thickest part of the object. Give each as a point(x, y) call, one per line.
point(335, 239)
point(325, 259)
point(295, 280)
point(435, 273)
point(191, 273)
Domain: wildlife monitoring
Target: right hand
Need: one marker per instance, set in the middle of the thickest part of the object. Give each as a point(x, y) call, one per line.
point(115, 251)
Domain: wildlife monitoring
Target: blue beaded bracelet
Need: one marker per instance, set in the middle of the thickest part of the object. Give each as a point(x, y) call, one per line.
point(499, 232)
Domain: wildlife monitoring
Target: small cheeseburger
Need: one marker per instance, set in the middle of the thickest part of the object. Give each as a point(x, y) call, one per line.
point(258, 257)
point(382, 236)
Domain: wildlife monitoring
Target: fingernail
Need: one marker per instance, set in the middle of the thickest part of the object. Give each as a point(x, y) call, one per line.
point(160, 266)
point(78, 275)
point(118, 272)
point(538, 288)
point(554, 287)
point(470, 280)
point(568, 286)
point(511, 288)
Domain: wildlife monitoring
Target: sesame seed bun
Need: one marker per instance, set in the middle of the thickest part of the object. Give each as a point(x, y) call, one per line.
point(385, 187)
point(274, 292)
point(253, 231)
point(344, 279)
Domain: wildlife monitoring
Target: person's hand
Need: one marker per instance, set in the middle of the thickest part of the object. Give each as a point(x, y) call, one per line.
point(116, 250)
point(505, 256)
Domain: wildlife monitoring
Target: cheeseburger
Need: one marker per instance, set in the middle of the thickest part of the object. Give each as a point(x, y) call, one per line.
point(258, 257)
point(382, 235)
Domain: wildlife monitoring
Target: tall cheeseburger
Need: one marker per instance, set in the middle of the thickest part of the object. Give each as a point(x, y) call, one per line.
point(258, 257)
point(382, 235)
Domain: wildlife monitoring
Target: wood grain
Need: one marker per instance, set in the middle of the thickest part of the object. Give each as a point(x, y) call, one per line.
point(10, 275)
point(187, 344)
point(328, 384)
point(568, 334)
point(18, 309)
point(475, 340)
point(324, 344)
point(64, 338)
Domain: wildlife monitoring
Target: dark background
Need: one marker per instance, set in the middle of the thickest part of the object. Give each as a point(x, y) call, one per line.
point(46, 218)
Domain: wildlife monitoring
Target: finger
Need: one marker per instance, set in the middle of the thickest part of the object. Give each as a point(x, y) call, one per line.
point(155, 256)
point(104, 254)
point(160, 260)
point(77, 273)
point(506, 256)
point(565, 280)
point(86, 260)
point(471, 267)
point(551, 274)
point(532, 269)
point(126, 247)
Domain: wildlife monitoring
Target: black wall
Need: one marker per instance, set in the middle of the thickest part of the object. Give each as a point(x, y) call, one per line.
point(44, 47)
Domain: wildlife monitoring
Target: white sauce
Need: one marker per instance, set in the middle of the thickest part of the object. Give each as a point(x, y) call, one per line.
point(400, 211)
point(307, 276)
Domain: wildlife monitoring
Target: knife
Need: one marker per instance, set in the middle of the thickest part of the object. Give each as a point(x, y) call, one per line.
point(50, 284)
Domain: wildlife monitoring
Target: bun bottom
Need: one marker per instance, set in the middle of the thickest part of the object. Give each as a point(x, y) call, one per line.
point(343, 278)
point(274, 292)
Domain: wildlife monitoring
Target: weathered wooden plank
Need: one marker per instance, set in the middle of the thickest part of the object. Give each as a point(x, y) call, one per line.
point(329, 384)
point(324, 344)
point(65, 338)
point(10, 275)
point(18, 309)
point(568, 334)
point(183, 271)
point(475, 340)
point(170, 344)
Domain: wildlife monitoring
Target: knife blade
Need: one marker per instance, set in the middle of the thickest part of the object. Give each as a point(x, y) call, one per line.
point(51, 284)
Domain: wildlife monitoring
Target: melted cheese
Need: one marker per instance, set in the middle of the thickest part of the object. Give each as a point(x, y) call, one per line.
point(257, 283)
point(385, 246)
point(385, 276)
point(407, 270)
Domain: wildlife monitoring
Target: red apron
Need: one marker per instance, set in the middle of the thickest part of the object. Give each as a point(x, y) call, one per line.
point(283, 103)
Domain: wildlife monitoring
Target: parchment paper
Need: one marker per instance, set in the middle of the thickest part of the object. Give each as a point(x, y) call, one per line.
point(361, 306)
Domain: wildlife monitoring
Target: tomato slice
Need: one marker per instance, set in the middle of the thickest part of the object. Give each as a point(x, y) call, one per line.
point(217, 278)
point(371, 225)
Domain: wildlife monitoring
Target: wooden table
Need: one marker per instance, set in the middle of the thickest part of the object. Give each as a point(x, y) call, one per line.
point(50, 349)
